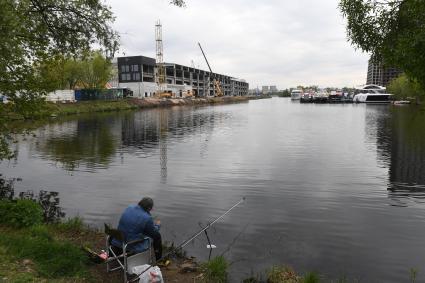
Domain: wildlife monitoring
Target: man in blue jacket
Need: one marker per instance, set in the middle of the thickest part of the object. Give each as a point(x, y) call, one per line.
point(136, 223)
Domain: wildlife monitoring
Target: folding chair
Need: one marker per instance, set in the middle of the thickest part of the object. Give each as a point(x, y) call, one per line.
point(120, 258)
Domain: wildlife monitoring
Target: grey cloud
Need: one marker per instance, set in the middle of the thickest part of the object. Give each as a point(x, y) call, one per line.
point(279, 42)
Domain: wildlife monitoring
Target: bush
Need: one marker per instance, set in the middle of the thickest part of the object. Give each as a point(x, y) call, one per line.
point(215, 271)
point(20, 213)
point(403, 88)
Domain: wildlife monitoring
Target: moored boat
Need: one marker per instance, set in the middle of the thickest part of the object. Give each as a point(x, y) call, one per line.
point(296, 94)
point(372, 94)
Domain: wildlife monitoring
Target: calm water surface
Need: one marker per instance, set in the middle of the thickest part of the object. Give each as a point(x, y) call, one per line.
point(334, 188)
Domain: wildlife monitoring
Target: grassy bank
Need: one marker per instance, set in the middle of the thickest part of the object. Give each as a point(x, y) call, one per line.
point(38, 245)
point(32, 250)
point(53, 253)
point(49, 109)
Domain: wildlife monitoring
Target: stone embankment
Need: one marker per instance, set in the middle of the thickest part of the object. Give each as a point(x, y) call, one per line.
point(167, 102)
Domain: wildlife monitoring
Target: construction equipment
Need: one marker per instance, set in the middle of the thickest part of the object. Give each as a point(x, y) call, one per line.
point(160, 66)
point(217, 88)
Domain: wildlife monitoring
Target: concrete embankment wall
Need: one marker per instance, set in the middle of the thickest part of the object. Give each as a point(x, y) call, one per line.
point(157, 102)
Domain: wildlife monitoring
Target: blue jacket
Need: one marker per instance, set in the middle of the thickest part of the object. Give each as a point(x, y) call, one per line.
point(136, 223)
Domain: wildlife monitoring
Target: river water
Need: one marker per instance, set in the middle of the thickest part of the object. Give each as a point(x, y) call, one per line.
point(337, 189)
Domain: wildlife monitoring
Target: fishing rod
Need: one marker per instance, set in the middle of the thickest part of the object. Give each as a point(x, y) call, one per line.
point(195, 235)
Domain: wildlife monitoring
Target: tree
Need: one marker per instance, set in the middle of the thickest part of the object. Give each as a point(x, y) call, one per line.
point(179, 3)
point(91, 71)
point(403, 88)
point(392, 30)
point(96, 71)
point(34, 31)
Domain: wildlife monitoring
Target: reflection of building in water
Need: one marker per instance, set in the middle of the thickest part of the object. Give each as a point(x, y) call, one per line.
point(143, 130)
point(408, 148)
point(378, 132)
point(399, 136)
point(148, 132)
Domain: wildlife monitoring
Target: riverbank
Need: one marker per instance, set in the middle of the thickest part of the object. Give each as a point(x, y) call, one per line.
point(53, 252)
point(50, 109)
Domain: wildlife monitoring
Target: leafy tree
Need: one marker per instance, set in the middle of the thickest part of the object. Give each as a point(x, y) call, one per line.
point(96, 71)
point(392, 30)
point(92, 71)
point(34, 31)
point(404, 88)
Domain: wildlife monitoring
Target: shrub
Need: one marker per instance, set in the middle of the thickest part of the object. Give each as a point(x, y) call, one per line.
point(20, 213)
point(404, 87)
point(215, 271)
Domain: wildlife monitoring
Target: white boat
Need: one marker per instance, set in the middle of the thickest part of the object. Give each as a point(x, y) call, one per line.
point(372, 94)
point(296, 94)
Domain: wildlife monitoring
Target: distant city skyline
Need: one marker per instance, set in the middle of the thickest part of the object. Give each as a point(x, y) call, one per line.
point(274, 42)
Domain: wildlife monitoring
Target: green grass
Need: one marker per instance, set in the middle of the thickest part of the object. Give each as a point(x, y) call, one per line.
point(311, 277)
point(215, 270)
point(51, 258)
point(70, 224)
point(89, 106)
point(283, 274)
point(50, 109)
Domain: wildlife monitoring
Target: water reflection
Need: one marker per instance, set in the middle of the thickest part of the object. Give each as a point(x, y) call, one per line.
point(407, 169)
point(88, 142)
point(397, 135)
point(378, 132)
point(315, 178)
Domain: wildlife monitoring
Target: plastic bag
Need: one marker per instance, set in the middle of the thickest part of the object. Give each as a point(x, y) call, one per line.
point(152, 275)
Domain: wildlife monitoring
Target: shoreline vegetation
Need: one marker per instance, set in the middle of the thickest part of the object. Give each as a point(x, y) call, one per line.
point(38, 244)
point(52, 110)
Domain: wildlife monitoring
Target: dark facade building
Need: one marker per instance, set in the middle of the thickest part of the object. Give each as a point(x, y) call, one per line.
point(378, 74)
point(136, 69)
point(139, 74)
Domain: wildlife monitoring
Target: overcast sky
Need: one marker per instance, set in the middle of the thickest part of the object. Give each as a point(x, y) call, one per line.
point(270, 42)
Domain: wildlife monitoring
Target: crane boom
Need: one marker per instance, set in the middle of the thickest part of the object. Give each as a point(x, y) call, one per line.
point(203, 53)
point(216, 83)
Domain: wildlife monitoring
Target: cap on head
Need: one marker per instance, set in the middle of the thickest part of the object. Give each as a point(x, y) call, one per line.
point(146, 204)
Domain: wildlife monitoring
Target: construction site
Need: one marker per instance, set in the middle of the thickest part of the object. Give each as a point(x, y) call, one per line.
point(152, 77)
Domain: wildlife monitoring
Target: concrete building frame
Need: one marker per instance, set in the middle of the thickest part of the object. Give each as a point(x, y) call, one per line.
point(139, 72)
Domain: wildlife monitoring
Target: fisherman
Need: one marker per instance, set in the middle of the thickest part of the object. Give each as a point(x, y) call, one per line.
point(136, 223)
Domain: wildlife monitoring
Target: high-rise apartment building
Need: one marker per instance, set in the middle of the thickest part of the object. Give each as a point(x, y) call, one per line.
point(379, 75)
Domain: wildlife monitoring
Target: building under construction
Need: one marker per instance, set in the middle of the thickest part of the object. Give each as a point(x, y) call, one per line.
point(139, 73)
point(381, 75)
